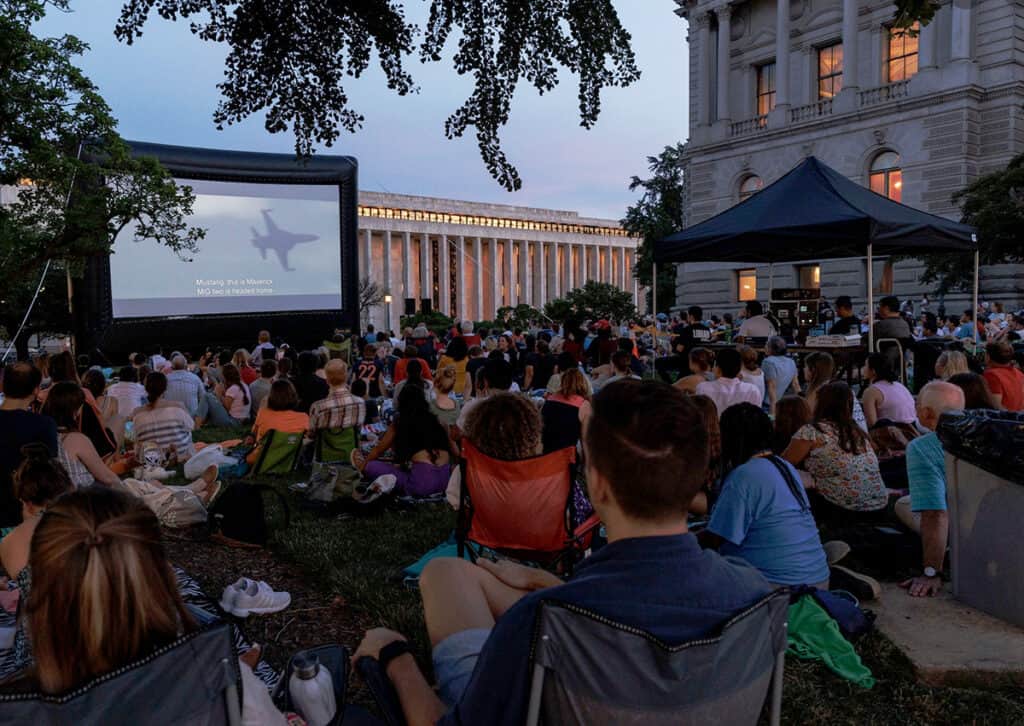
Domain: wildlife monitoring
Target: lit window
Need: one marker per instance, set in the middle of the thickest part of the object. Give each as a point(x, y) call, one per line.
point(750, 186)
point(809, 276)
point(886, 177)
point(901, 63)
point(830, 70)
point(747, 285)
point(765, 88)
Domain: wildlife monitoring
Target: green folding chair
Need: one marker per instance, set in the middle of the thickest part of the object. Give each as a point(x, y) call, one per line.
point(279, 453)
point(335, 445)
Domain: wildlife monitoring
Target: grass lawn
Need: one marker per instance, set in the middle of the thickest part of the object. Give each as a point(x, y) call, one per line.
point(361, 560)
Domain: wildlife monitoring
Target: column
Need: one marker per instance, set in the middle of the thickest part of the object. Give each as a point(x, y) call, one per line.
point(556, 272)
point(570, 265)
point(584, 264)
point(782, 54)
point(495, 273)
point(542, 261)
point(478, 256)
point(960, 46)
point(851, 81)
point(724, 13)
point(623, 280)
point(926, 45)
point(444, 271)
point(525, 274)
point(510, 281)
point(388, 288)
point(367, 266)
point(426, 269)
point(610, 273)
point(461, 305)
point(703, 23)
point(406, 269)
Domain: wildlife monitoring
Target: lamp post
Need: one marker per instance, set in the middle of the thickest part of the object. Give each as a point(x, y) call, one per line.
point(387, 303)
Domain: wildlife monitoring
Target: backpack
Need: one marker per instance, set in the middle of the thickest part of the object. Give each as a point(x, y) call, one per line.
point(239, 512)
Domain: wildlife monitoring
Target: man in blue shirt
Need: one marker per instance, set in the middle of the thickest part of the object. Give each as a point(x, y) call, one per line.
point(647, 455)
point(924, 511)
point(780, 373)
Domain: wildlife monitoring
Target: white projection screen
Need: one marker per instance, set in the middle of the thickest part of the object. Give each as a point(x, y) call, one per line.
point(268, 248)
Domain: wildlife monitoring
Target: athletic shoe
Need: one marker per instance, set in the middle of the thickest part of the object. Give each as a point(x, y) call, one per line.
point(248, 597)
point(836, 550)
point(383, 484)
point(861, 586)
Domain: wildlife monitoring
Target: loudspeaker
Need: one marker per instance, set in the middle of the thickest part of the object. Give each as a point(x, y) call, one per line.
point(426, 306)
point(410, 306)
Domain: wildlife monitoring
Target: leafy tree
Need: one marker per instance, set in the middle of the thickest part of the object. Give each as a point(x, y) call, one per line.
point(288, 59)
point(78, 185)
point(657, 214)
point(436, 322)
point(593, 301)
point(520, 316)
point(909, 12)
point(371, 295)
point(994, 205)
point(50, 314)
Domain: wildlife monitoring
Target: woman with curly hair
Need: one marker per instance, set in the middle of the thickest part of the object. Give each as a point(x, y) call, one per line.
point(505, 426)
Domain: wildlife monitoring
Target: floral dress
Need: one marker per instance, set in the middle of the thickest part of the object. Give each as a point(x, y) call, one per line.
point(850, 481)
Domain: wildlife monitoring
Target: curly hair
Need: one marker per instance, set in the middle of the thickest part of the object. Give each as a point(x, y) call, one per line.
point(505, 426)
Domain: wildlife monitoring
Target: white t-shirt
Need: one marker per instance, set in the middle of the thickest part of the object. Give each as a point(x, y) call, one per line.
point(129, 395)
point(754, 379)
point(757, 327)
point(239, 406)
point(727, 392)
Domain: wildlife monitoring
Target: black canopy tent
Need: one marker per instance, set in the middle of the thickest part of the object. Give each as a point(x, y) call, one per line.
point(814, 212)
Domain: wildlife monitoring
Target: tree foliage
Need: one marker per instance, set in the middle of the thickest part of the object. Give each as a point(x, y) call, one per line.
point(78, 185)
point(593, 301)
point(519, 317)
point(371, 295)
point(994, 206)
point(288, 59)
point(657, 214)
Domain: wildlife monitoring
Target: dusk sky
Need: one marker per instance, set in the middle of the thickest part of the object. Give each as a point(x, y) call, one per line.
point(162, 89)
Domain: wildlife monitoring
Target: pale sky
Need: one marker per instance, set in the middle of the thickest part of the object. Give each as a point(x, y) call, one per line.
point(162, 89)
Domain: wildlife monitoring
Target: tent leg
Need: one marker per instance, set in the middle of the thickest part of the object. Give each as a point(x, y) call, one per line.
point(975, 303)
point(654, 293)
point(871, 299)
point(771, 282)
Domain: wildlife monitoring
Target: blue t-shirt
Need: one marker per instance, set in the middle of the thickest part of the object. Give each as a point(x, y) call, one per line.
point(762, 522)
point(926, 473)
point(780, 369)
point(667, 586)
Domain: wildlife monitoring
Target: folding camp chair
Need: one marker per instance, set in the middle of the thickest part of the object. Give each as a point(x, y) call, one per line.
point(279, 453)
point(589, 670)
point(193, 680)
point(521, 508)
point(335, 445)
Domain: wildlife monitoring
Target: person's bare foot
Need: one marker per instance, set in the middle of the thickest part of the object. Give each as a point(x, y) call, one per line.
point(210, 474)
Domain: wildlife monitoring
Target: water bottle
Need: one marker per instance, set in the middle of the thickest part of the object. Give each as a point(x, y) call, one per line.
point(312, 690)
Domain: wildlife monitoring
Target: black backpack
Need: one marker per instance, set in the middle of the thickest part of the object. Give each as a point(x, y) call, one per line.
point(239, 512)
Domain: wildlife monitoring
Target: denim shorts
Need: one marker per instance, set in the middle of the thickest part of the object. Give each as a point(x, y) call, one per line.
point(454, 660)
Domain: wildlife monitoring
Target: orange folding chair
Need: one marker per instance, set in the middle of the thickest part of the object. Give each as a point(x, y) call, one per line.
point(523, 509)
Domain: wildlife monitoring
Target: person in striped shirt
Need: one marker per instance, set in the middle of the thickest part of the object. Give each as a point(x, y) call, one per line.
point(169, 426)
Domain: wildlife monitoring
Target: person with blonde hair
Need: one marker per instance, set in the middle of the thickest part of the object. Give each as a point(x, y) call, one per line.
point(442, 404)
point(565, 412)
point(243, 362)
point(950, 363)
point(702, 361)
point(751, 371)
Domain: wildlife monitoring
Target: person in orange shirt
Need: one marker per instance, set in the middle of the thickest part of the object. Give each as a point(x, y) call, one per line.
point(1004, 379)
point(411, 353)
point(278, 414)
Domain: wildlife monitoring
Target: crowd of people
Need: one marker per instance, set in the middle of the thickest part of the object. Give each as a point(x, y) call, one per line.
point(758, 451)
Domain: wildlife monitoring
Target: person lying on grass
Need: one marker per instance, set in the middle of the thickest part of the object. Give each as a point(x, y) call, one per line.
point(646, 453)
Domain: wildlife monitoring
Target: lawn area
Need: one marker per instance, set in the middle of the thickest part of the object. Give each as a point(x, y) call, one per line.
point(360, 560)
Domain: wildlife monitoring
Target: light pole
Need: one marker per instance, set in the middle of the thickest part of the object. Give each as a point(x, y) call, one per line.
point(387, 303)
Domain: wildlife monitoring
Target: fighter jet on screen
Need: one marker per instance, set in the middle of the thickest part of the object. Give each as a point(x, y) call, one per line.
point(278, 240)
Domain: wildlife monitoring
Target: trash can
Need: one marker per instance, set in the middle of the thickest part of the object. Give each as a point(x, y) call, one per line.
point(987, 560)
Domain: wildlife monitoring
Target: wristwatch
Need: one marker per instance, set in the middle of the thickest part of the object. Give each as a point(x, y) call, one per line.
point(391, 651)
point(931, 572)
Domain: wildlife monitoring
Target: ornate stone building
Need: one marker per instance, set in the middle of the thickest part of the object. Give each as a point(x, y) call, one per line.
point(469, 259)
point(914, 116)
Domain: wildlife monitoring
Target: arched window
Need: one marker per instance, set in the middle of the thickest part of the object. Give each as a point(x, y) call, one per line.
point(750, 186)
point(886, 177)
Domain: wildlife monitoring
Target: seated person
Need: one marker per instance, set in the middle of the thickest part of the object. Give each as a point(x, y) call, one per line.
point(780, 373)
point(422, 455)
point(413, 379)
point(109, 407)
point(838, 454)
point(950, 363)
point(169, 426)
point(75, 450)
point(727, 389)
point(563, 362)
point(976, 392)
point(278, 414)
point(701, 362)
point(442, 404)
point(495, 376)
point(924, 509)
point(359, 389)
point(886, 399)
point(71, 644)
point(260, 389)
point(229, 403)
point(652, 574)
point(752, 372)
point(458, 356)
point(703, 500)
point(401, 367)
point(792, 413)
point(1004, 378)
point(763, 514)
point(564, 412)
point(63, 369)
point(130, 394)
point(340, 409)
point(310, 387)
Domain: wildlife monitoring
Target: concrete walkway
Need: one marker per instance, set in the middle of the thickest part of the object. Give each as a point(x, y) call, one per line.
point(949, 643)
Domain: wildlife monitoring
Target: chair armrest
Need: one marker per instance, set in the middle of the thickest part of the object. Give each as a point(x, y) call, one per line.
point(382, 690)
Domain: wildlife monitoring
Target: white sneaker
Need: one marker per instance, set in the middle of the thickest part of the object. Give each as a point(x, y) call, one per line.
point(383, 484)
point(247, 597)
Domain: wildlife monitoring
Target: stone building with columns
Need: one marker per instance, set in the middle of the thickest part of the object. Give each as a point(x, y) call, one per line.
point(469, 259)
point(913, 116)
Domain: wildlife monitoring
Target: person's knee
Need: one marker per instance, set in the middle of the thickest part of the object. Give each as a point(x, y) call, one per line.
point(442, 571)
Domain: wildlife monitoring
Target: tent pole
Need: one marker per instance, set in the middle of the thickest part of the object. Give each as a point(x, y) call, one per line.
point(871, 300)
point(654, 303)
point(975, 303)
point(771, 282)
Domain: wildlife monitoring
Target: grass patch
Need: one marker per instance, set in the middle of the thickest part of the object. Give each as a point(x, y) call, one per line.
point(361, 560)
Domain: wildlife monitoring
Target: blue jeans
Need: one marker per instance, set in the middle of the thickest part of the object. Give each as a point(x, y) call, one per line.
point(212, 411)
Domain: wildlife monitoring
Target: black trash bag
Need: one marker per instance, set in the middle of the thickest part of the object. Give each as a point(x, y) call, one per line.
point(991, 440)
